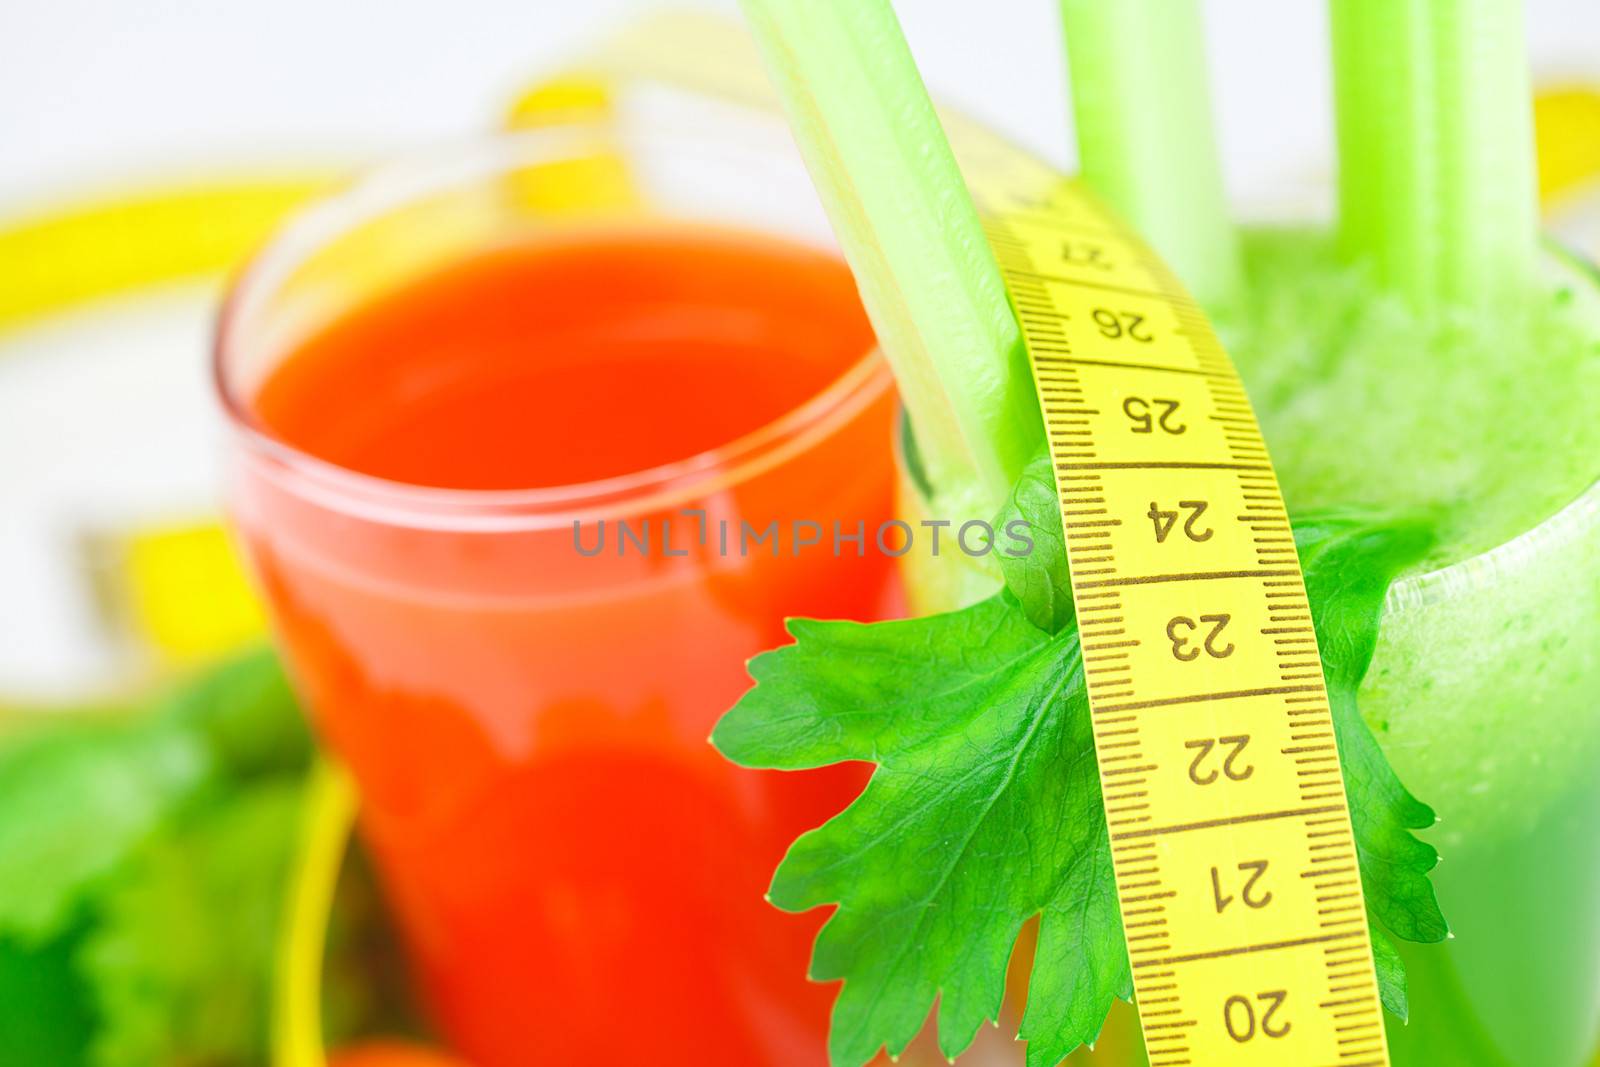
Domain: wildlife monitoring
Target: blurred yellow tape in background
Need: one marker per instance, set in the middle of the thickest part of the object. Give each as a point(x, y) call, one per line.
point(1567, 124)
point(178, 589)
point(57, 261)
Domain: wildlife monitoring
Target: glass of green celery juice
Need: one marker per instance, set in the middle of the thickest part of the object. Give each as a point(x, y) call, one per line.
point(1485, 689)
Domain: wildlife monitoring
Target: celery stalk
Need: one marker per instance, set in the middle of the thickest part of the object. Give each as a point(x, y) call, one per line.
point(886, 176)
point(1146, 143)
point(1437, 185)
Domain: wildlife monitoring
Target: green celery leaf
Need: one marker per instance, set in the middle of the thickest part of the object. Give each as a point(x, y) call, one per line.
point(1349, 563)
point(1038, 578)
point(985, 809)
point(1391, 971)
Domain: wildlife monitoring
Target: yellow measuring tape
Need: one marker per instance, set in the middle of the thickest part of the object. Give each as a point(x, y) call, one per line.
point(1230, 831)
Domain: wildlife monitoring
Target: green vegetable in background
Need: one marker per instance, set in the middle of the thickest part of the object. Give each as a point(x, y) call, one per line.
point(73, 802)
point(143, 861)
point(182, 947)
point(985, 811)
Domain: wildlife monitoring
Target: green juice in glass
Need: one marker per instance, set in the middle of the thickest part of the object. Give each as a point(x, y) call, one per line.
point(1485, 690)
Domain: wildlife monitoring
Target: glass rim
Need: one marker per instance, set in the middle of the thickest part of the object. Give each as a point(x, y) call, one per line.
point(405, 179)
point(1552, 532)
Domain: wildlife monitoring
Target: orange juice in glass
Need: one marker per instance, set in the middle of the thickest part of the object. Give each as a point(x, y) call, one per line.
point(523, 494)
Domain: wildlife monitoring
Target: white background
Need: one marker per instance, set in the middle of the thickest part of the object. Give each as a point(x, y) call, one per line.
point(95, 90)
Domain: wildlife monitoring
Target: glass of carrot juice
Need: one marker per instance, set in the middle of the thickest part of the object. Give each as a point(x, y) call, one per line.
point(533, 444)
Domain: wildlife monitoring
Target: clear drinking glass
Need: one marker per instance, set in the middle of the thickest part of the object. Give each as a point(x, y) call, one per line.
point(578, 875)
